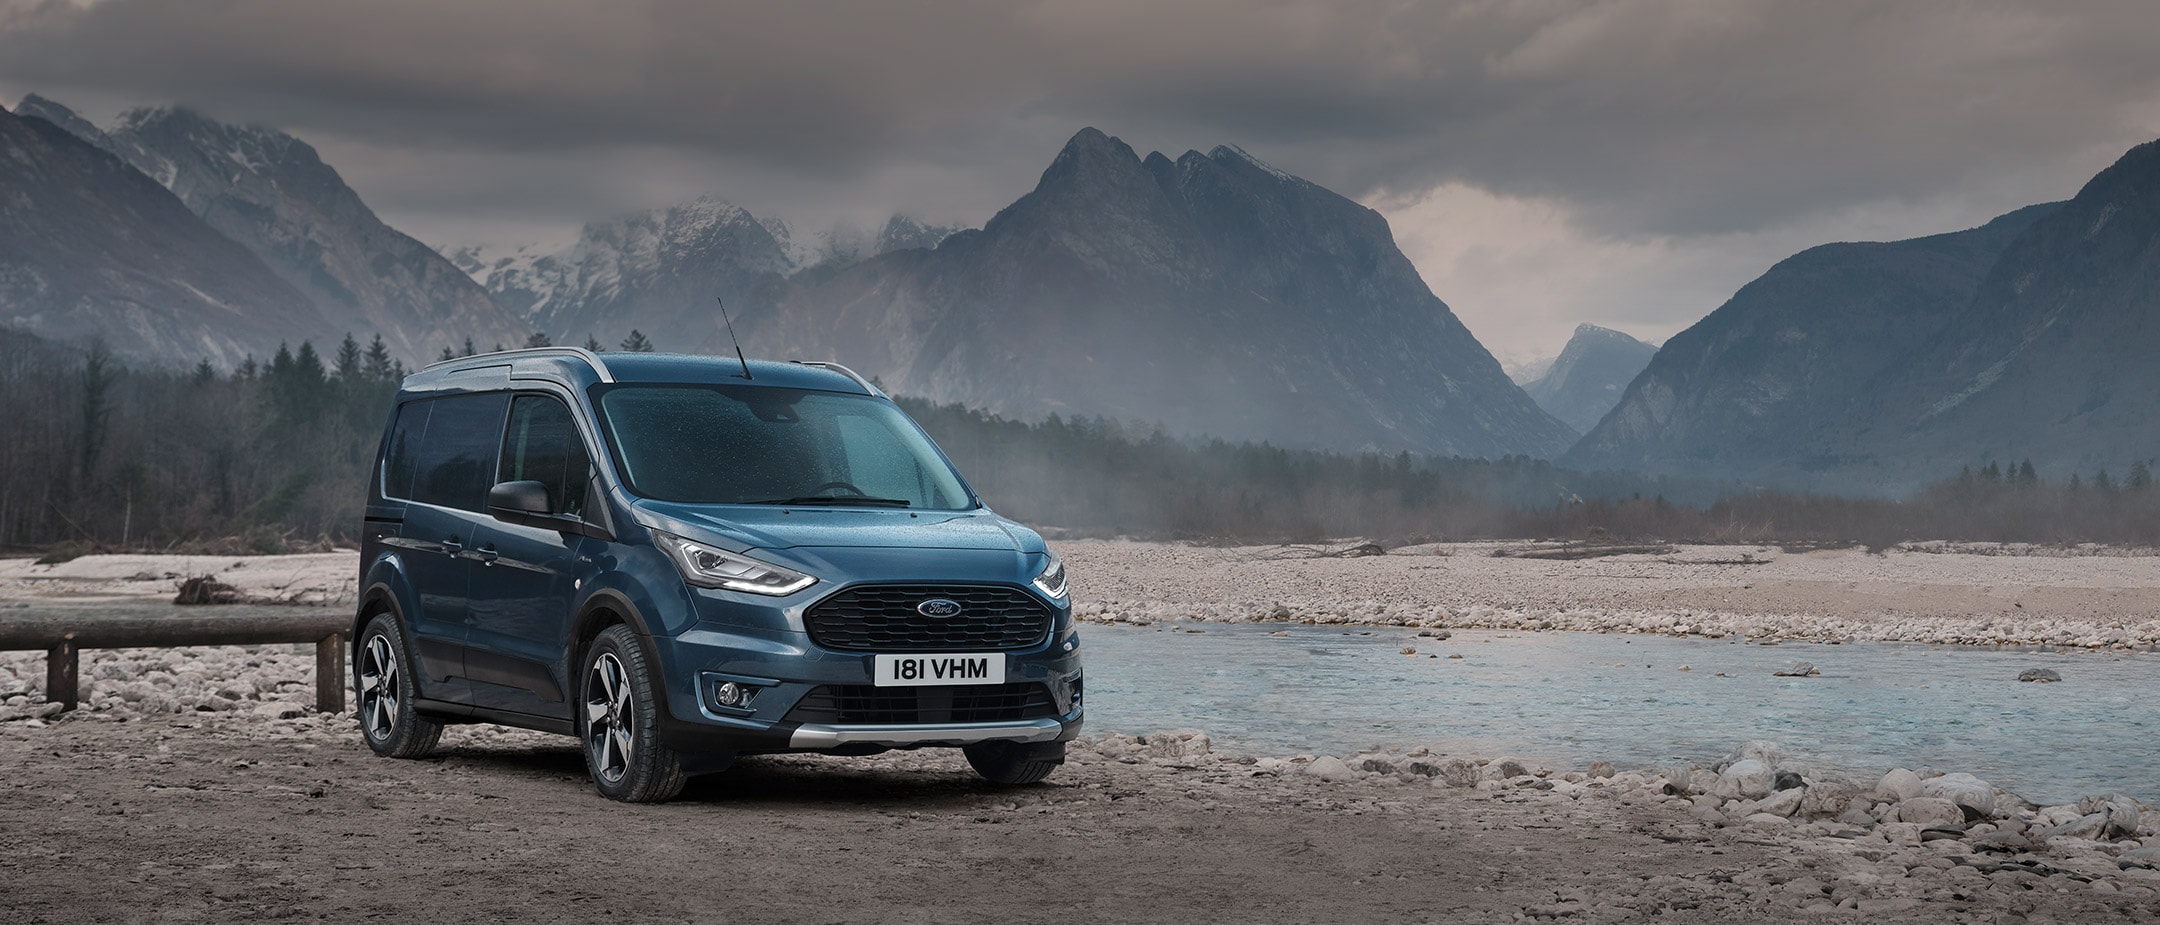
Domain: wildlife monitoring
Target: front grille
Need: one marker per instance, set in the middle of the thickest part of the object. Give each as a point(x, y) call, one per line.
point(884, 618)
point(890, 706)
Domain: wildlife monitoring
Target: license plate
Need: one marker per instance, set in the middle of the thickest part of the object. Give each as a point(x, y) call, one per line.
point(931, 669)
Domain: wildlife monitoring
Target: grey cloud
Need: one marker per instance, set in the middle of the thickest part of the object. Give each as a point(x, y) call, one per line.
point(1647, 117)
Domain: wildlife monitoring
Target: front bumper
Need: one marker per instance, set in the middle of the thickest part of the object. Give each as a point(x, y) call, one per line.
point(781, 669)
point(819, 737)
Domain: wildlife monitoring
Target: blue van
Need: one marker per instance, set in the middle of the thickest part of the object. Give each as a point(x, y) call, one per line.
point(680, 560)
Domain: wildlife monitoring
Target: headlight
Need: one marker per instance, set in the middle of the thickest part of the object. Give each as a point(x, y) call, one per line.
point(1051, 580)
point(707, 567)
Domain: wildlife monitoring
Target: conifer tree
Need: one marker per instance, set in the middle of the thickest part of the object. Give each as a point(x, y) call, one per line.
point(377, 362)
point(346, 365)
point(593, 344)
point(637, 342)
point(204, 373)
point(538, 339)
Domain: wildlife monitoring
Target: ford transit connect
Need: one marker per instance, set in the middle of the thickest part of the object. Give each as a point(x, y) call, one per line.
point(679, 560)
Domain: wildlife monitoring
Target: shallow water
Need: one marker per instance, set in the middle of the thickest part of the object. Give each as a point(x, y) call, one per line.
point(1572, 698)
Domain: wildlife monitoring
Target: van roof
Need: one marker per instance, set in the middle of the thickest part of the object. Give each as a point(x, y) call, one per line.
point(578, 368)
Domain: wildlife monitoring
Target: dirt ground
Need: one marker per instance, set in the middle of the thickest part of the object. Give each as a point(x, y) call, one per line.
point(200, 818)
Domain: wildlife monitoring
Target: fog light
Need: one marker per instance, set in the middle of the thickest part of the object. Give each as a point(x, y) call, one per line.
point(732, 694)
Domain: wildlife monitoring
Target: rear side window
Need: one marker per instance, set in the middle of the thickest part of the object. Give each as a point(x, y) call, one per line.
point(542, 445)
point(455, 454)
point(398, 457)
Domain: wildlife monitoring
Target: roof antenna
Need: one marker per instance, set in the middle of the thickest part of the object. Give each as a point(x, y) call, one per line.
point(731, 337)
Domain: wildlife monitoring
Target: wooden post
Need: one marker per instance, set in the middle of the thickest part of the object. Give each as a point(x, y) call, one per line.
point(61, 665)
point(330, 674)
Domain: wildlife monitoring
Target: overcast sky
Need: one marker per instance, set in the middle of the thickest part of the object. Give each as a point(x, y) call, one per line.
point(1544, 162)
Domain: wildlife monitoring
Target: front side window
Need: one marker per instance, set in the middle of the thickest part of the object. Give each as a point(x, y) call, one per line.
point(456, 453)
point(731, 444)
point(541, 444)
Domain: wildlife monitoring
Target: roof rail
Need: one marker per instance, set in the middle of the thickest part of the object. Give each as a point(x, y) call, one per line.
point(842, 370)
point(580, 353)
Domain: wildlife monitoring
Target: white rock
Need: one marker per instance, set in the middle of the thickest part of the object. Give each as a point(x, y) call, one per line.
point(1964, 790)
point(1899, 784)
point(1330, 768)
point(1928, 811)
point(1459, 772)
point(1744, 779)
point(1783, 802)
point(1769, 753)
point(1178, 743)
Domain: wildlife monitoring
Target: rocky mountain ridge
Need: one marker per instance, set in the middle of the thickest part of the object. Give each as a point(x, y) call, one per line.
point(273, 194)
point(92, 249)
point(1589, 376)
point(1211, 293)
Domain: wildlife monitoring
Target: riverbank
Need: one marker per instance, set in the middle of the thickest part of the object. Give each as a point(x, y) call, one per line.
point(1965, 595)
point(249, 815)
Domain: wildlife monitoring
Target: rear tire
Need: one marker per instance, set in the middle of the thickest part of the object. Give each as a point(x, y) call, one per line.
point(1014, 763)
point(619, 722)
point(384, 689)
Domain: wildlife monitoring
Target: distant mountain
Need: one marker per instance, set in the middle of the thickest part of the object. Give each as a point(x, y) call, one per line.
point(273, 194)
point(1211, 293)
point(905, 233)
point(2057, 356)
point(1589, 376)
point(657, 272)
point(1789, 381)
point(92, 248)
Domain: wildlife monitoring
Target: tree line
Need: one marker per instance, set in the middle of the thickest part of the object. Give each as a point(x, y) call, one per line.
point(104, 455)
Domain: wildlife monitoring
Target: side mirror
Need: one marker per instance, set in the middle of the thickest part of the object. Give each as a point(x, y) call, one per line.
point(525, 503)
point(515, 498)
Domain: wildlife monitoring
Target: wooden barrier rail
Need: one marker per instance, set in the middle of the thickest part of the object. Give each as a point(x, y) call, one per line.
point(63, 639)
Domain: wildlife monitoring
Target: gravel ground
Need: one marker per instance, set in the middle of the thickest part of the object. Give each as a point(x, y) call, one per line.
point(240, 817)
point(1976, 597)
point(199, 785)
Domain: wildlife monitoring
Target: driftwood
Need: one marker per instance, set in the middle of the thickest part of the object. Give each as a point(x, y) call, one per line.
point(1582, 551)
point(206, 589)
point(1315, 551)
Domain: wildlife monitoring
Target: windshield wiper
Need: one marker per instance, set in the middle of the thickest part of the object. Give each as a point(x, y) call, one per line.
point(837, 500)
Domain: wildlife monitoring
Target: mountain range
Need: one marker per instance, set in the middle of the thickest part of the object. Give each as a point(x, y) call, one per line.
point(272, 193)
point(93, 249)
point(1210, 293)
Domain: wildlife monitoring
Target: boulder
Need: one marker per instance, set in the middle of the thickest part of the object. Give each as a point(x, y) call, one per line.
point(1505, 769)
point(1930, 812)
point(1829, 798)
point(1178, 743)
point(1782, 802)
point(1899, 784)
point(1330, 768)
point(1964, 790)
point(2122, 815)
point(2039, 675)
point(1746, 779)
point(1767, 752)
point(1459, 772)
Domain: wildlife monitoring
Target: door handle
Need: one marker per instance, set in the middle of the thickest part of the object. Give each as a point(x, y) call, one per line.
point(452, 546)
point(486, 555)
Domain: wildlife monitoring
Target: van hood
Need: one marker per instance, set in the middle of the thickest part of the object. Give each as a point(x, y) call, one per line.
point(776, 527)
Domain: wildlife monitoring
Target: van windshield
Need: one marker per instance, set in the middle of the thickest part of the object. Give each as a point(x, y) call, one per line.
point(735, 444)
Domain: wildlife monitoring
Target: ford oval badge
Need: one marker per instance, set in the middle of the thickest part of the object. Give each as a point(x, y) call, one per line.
point(938, 607)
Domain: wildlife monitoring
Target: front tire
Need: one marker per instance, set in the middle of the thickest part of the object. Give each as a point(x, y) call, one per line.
point(619, 722)
point(383, 683)
point(1014, 763)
